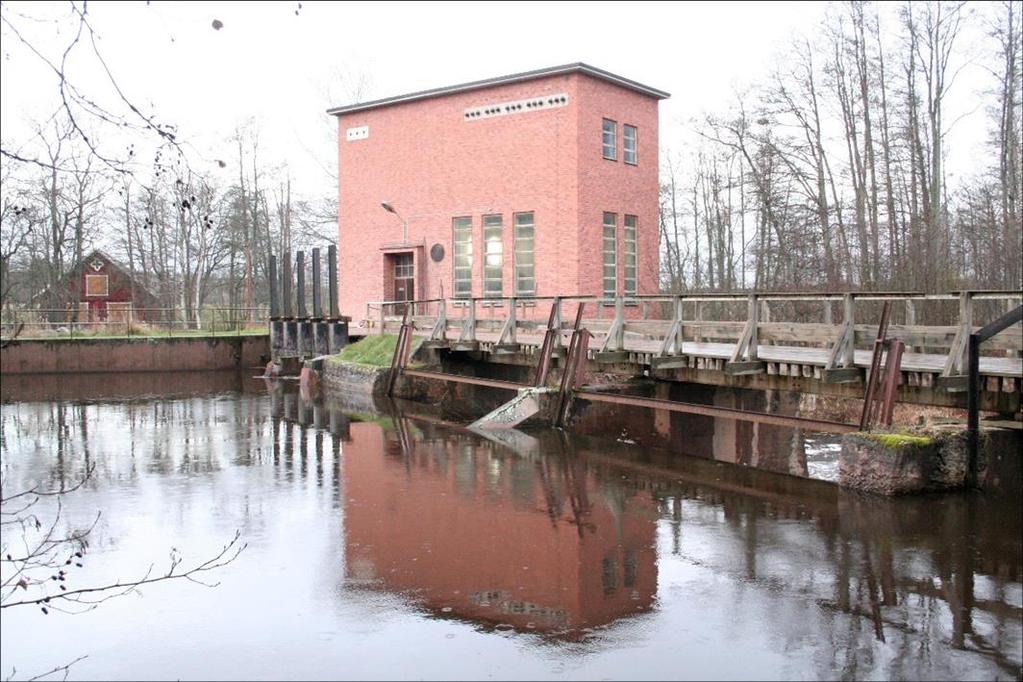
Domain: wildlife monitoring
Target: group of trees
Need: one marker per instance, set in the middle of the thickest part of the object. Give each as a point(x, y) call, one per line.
point(831, 173)
point(191, 238)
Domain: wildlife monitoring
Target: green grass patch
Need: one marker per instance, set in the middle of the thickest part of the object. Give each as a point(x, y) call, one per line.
point(373, 351)
point(897, 440)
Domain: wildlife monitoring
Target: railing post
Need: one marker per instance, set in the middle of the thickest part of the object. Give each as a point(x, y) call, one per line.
point(472, 319)
point(754, 322)
point(619, 323)
point(440, 329)
point(679, 333)
point(317, 305)
point(849, 314)
point(382, 306)
point(557, 321)
point(512, 321)
point(332, 281)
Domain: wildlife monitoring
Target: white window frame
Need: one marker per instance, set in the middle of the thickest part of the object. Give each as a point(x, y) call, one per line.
point(525, 246)
point(625, 144)
point(461, 245)
point(629, 246)
point(604, 143)
point(609, 234)
point(493, 249)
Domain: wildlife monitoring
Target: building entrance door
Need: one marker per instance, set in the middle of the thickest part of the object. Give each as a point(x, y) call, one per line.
point(404, 280)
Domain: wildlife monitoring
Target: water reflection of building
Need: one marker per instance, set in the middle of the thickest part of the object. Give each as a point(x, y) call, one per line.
point(479, 532)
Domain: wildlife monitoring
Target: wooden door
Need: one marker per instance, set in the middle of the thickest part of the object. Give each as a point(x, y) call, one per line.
point(404, 280)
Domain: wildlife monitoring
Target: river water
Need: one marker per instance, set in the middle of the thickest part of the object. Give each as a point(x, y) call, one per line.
point(398, 546)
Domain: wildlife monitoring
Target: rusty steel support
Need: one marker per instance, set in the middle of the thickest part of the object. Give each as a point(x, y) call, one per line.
point(892, 372)
point(400, 358)
point(573, 372)
point(543, 365)
point(722, 412)
point(870, 395)
point(463, 379)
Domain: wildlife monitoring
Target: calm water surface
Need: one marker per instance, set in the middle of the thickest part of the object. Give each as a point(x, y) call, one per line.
point(384, 546)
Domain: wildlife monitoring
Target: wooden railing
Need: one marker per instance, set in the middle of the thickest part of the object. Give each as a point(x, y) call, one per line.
point(837, 324)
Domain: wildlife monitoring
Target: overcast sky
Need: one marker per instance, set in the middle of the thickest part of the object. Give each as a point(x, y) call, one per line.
point(285, 69)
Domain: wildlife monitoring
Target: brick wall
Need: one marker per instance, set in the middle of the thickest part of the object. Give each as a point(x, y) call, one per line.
point(433, 165)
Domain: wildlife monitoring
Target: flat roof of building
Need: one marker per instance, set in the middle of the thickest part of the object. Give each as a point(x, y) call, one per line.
point(577, 67)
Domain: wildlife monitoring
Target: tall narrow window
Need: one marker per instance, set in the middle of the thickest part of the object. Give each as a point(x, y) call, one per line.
point(462, 255)
point(525, 268)
point(629, 246)
point(629, 144)
point(610, 139)
point(493, 256)
point(610, 255)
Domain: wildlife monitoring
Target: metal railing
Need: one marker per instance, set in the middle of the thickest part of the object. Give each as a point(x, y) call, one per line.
point(72, 323)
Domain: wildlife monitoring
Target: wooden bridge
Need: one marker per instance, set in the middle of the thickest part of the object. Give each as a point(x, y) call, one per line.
point(807, 342)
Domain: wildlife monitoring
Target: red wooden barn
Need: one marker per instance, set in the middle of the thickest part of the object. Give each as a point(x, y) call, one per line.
point(105, 292)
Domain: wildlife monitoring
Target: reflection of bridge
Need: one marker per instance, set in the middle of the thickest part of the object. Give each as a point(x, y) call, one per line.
point(804, 342)
point(548, 536)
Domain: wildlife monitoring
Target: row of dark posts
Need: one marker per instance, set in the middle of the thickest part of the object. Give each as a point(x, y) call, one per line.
point(283, 306)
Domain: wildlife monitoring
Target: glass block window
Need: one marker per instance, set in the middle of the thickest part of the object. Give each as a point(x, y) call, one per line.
point(525, 265)
point(629, 144)
point(461, 239)
point(629, 247)
point(610, 255)
point(493, 256)
point(610, 139)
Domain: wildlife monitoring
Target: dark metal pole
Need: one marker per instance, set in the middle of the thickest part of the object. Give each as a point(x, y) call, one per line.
point(286, 286)
point(300, 286)
point(332, 280)
point(972, 400)
point(275, 306)
point(317, 307)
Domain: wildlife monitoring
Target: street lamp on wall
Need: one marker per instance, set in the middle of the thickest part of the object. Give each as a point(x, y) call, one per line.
point(404, 223)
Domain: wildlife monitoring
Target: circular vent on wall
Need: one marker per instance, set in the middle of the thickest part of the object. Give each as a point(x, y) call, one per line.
point(437, 253)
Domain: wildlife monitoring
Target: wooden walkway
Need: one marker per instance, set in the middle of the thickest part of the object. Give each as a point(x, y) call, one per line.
point(681, 334)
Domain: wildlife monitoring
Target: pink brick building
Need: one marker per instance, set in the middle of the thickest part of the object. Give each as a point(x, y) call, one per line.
point(535, 184)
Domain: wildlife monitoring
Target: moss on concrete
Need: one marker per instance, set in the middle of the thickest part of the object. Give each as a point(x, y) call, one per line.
point(371, 351)
point(897, 440)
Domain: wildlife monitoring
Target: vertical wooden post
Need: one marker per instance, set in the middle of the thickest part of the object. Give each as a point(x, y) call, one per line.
point(275, 304)
point(557, 321)
point(332, 281)
point(619, 323)
point(966, 320)
point(512, 322)
point(849, 315)
point(286, 286)
point(827, 312)
point(754, 322)
point(300, 285)
point(679, 334)
point(317, 305)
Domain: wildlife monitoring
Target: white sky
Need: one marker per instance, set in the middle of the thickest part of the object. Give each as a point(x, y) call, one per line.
point(286, 70)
